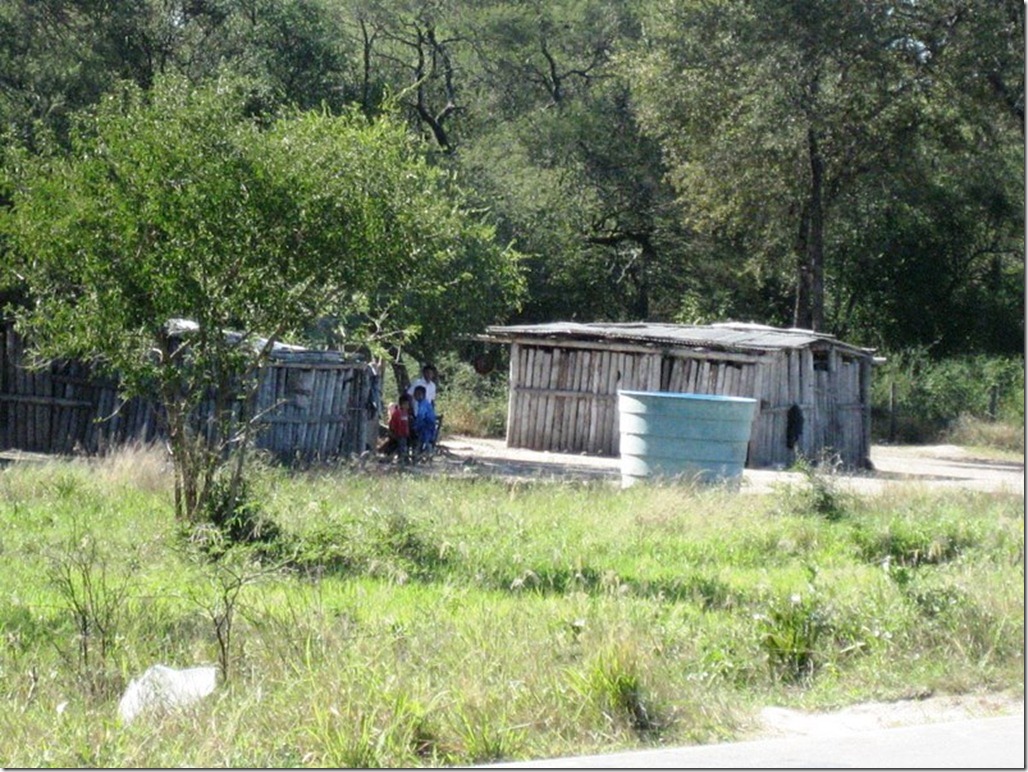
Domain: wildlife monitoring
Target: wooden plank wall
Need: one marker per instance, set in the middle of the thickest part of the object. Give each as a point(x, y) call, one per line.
point(851, 404)
point(708, 375)
point(313, 409)
point(729, 375)
point(62, 407)
point(564, 398)
point(830, 389)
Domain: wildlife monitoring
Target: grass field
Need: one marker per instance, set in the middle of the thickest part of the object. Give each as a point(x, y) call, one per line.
point(410, 621)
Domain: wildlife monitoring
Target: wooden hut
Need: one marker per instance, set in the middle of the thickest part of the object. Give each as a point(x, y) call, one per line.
point(814, 391)
point(311, 404)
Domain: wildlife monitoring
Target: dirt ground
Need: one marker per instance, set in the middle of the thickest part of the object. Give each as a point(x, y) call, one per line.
point(784, 722)
point(939, 466)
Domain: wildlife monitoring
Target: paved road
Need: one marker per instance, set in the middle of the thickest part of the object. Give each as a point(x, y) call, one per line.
point(985, 743)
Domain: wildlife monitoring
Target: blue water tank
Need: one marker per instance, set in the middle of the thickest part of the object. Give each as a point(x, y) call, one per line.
point(693, 437)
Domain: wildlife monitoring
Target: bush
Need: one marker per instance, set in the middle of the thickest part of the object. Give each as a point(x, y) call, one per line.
point(931, 396)
point(472, 403)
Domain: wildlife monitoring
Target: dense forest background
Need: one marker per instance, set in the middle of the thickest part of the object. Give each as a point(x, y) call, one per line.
point(854, 167)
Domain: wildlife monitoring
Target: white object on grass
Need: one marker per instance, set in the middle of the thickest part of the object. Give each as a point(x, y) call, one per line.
point(164, 687)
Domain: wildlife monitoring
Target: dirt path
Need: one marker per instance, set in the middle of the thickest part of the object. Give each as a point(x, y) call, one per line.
point(785, 722)
point(936, 465)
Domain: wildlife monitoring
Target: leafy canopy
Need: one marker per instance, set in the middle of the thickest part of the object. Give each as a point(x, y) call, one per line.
point(183, 202)
point(179, 203)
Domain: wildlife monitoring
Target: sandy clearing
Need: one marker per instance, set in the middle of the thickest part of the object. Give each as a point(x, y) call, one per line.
point(939, 466)
point(784, 722)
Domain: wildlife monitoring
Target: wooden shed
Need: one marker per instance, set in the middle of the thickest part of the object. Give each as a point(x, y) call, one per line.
point(311, 404)
point(814, 391)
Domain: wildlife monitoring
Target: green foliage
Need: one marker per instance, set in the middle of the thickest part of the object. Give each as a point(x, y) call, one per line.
point(177, 203)
point(905, 224)
point(616, 682)
point(232, 516)
point(931, 395)
point(472, 403)
point(908, 542)
point(820, 496)
point(792, 633)
point(419, 651)
point(651, 160)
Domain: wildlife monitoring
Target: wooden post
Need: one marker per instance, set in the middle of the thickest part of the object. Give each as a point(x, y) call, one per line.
point(892, 411)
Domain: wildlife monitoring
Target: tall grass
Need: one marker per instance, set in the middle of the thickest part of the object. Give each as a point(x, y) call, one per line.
point(420, 622)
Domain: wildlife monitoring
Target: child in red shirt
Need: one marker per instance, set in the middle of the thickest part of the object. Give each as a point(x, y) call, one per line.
point(399, 424)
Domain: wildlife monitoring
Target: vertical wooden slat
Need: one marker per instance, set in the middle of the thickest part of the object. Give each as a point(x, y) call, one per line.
point(580, 416)
point(592, 424)
point(523, 398)
point(20, 408)
point(865, 409)
point(528, 399)
point(608, 385)
point(550, 375)
point(539, 408)
point(758, 456)
point(618, 368)
point(561, 408)
point(512, 393)
point(623, 367)
point(338, 436)
point(351, 390)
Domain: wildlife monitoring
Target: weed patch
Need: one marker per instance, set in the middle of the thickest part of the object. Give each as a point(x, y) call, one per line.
point(449, 623)
point(616, 684)
point(911, 543)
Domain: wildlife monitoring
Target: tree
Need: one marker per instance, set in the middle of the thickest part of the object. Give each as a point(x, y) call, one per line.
point(853, 149)
point(768, 111)
point(173, 203)
point(556, 150)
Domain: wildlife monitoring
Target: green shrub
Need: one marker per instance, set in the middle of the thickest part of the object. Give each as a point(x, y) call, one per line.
point(911, 543)
point(616, 683)
point(975, 432)
point(821, 497)
point(931, 395)
point(792, 631)
point(471, 403)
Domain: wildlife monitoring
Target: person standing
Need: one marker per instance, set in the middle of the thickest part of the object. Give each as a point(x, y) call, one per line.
point(427, 379)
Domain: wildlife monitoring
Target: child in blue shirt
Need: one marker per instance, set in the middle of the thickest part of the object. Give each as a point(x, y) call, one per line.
point(424, 420)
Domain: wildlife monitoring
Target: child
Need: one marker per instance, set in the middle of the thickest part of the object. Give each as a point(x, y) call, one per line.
point(399, 424)
point(424, 420)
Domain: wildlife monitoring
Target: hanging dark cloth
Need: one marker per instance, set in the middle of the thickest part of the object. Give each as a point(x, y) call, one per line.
point(793, 426)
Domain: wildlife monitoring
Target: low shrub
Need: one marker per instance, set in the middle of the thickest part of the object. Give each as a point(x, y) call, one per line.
point(919, 399)
point(471, 403)
point(975, 432)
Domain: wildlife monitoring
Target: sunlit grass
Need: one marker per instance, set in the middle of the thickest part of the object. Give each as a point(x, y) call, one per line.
point(422, 621)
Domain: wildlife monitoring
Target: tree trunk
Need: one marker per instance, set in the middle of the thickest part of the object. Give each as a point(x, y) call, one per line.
point(809, 312)
point(400, 374)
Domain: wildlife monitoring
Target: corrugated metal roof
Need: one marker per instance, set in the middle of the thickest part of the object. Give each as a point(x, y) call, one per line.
point(726, 336)
point(279, 350)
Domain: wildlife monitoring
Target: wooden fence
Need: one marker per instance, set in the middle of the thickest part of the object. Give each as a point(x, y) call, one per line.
point(310, 405)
